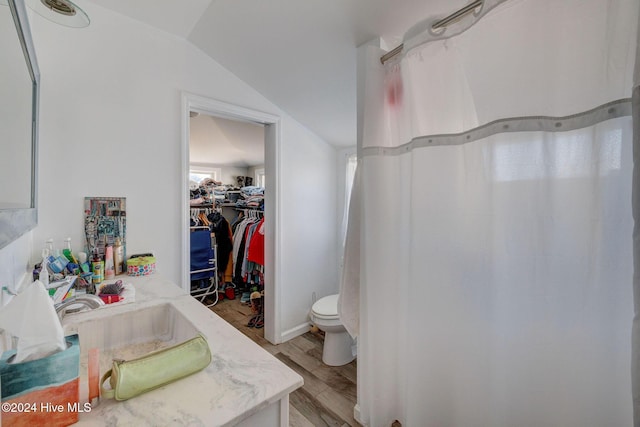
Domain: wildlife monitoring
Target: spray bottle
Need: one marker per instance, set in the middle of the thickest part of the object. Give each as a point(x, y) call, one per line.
point(44, 271)
point(68, 254)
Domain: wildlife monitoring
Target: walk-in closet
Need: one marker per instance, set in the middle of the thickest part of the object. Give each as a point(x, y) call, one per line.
point(226, 211)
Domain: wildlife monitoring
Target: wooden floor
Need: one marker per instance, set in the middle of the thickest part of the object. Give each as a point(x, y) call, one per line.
point(329, 393)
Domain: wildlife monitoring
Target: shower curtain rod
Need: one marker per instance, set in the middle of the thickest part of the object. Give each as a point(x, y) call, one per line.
point(440, 24)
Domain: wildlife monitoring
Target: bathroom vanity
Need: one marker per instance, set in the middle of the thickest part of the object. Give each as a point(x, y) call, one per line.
point(243, 385)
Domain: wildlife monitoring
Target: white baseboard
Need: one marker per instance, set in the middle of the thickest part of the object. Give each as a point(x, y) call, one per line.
point(356, 413)
point(294, 332)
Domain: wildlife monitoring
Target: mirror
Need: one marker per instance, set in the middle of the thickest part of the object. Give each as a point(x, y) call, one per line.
point(19, 92)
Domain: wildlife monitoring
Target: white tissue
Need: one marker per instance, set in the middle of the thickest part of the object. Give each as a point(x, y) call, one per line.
point(31, 317)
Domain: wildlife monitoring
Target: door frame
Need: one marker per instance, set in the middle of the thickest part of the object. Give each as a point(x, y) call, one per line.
point(272, 162)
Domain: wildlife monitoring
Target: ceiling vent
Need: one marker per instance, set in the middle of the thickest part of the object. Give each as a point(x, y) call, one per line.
point(63, 12)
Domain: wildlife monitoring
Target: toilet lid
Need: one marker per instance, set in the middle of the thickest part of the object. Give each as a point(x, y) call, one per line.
point(327, 306)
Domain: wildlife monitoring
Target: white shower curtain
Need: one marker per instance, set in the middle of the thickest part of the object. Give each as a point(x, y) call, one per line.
point(495, 250)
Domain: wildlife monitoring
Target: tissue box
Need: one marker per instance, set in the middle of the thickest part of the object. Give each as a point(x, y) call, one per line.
point(44, 391)
point(141, 266)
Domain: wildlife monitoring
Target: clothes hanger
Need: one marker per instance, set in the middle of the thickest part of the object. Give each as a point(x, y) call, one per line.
point(194, 217)
point(203, 218)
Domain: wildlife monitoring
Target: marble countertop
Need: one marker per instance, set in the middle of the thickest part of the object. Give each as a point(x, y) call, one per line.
point(241, 379)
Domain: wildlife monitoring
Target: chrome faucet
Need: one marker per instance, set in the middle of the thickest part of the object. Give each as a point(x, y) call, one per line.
point(84, 301)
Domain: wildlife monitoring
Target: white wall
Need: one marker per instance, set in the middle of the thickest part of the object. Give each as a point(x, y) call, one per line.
point(251, 172)
point(16, 265)
point(230, 174)
point(309, 189)
point(110, 126)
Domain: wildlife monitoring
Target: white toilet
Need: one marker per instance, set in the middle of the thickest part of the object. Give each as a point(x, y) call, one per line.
point(338, 344)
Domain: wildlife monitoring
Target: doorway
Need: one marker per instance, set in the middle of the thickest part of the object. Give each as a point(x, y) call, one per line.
point(197, 104)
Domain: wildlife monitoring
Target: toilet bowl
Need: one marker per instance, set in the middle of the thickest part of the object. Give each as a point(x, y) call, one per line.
point(338, 344)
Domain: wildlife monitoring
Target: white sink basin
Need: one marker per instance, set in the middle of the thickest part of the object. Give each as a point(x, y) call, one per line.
point(125, 334)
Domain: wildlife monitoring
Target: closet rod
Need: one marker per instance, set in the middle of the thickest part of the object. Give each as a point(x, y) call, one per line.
point(458, 14)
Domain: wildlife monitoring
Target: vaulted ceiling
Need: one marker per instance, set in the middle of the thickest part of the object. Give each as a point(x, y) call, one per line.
point(216, 141)
point(300, 54)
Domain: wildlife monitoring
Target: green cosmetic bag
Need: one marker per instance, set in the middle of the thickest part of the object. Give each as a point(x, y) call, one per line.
point(131, 378)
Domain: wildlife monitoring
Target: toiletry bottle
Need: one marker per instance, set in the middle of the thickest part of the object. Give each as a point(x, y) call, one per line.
point(109, 272)
point(82, 260)
point(49, 244)
point(97, 265)
point(44, 271)
point(118, 256)
point(68, 254)
point(51, 258)
point(57, 262)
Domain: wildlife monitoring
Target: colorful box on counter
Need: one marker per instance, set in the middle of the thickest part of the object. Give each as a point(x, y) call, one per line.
point(43, 391)
point(141, 266)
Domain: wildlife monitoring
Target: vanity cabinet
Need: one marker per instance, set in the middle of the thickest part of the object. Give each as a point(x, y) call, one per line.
point(244, 385)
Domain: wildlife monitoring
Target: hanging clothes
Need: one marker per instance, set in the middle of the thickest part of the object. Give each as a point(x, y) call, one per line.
point(224, 239)
point(246, 267)
point(245, 272)
point(256, 246)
